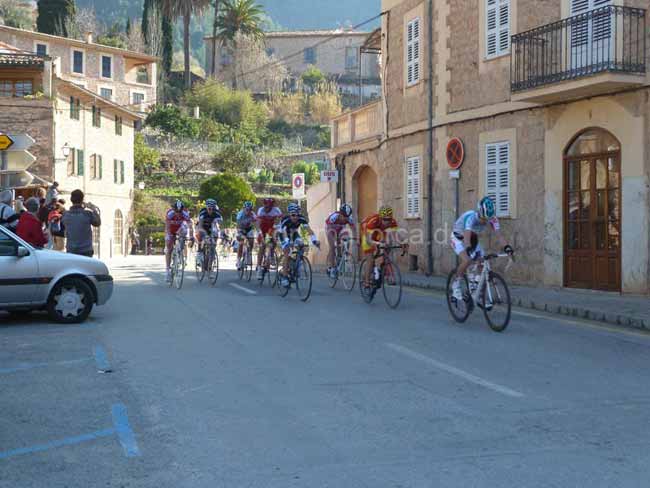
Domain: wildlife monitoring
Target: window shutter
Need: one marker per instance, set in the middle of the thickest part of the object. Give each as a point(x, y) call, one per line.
point(122, 172)
point(497, 174)
point(93, 166)
point(72, 107)
point(413, 187)
point(115, 171)
point(100, 165)
point(497, 27)
point(71, 158)
point(80, 162)
point(413, 52)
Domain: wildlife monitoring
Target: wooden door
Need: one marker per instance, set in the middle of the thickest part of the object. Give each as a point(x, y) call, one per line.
point(592, 221)
point(366, 193)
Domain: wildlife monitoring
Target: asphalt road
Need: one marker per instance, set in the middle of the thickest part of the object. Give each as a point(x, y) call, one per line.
point(233, 386)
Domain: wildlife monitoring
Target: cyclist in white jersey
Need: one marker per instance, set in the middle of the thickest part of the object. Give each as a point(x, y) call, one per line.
point(464, 238)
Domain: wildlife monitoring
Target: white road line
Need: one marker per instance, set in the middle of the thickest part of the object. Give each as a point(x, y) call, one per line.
point(455, 371)
point(251, 292)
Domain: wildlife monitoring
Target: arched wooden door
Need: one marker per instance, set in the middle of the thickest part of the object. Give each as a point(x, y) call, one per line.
point(366, 189)
point(592, 212)
point(118, 234)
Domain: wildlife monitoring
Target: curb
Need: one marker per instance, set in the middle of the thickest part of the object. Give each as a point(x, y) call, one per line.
point(610, 318)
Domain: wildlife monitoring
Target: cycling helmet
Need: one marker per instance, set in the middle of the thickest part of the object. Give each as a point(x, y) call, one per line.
point(179, 205)
point(346, 210)
point(211, 203)
point(248, 205)
point(486, 208)
point(293, 208)
point(268, 202)
point(386, 212)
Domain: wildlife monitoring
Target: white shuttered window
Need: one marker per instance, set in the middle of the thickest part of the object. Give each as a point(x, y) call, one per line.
point(413, 187)
point(497, 174)
point(498, 28)
point(413, 52)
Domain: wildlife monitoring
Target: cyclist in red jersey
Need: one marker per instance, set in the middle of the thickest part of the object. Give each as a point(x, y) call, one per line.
point(335, 225)
point(267, 217)
point(177, 222)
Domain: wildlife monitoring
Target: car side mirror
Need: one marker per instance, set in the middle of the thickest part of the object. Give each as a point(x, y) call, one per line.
point(22, 251)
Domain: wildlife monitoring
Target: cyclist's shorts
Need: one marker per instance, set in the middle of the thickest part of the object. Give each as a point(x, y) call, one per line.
point(367, 247)
point(458, 245)
point(246, 233)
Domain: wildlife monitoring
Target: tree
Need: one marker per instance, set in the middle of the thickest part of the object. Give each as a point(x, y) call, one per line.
point(145, 158)
point(234, 159)
point(243, 17)
point(215, 28)
point(312, 173)
point(53, 16)
point(171, 120)
point(146, 19)
point(312, 77)
point(230, 191)
point(185, 9)
point(16, 15)
point(127, 28)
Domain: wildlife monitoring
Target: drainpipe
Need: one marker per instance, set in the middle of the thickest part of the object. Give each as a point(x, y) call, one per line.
point(430, 148)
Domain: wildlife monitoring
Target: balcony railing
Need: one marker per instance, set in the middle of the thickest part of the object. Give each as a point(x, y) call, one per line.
point(609, 39)
point(360, 124)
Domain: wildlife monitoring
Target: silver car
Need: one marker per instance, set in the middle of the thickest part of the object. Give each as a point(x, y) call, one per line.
point(66, 285)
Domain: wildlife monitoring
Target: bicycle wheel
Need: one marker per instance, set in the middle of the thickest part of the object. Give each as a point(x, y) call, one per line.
point(334, 279)
point(213, 266)
point(367, 292)
point(242, 263)
point(348, 272)
point(303, 278)
point(460, 310)
point(282, 290)
point(179, 269)
point(199, 265)
point(495, 301)
point(248, 264)
point(392, 285)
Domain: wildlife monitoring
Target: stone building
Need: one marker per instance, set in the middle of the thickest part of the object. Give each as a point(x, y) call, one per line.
point(335, 52)
point(125, 77)
point(82, 140)
point(550, 102)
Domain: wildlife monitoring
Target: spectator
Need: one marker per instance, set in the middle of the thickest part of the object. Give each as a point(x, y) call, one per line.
point(77, 221)
point(55, 227)
point(19, 205)
point(52, 193)
point(30, 228)
point(8, 216)
point(135, 240)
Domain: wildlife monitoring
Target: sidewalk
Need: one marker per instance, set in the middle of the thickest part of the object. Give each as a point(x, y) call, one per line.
point(611, 308)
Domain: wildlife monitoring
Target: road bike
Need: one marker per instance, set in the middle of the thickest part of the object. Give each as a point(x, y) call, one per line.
point(178, 263)
point(346, 267)
point(246, 263)
point(487, 290)
point(225, 246)
point(207, 260)
point(270, 261)
point(299, 275)
point(386, 276)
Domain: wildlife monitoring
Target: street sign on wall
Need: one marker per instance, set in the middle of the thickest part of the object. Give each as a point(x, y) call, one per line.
point(21, 142)
point(298, 185)
point(5, 142)
point(15, 159)
point(455, 153)
point(18, 161)
point(330, 175)
point(15, 179)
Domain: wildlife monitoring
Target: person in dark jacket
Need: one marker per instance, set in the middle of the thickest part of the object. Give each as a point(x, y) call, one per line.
point(78, 221)
point(8, 216)
point(30, 229)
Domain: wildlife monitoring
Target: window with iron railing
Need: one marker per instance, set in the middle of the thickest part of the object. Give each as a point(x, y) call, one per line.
point(142, 75)
point(16, 88)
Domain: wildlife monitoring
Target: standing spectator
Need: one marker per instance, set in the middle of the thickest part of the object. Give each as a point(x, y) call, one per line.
point(19, 205)
point(8, 216)
point(55, 227)
point(30, 228)
point(149, 244)
point(52, 193)
point(135, 241)
point(77, 221)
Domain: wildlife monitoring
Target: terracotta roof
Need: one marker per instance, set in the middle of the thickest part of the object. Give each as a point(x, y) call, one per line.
point(75, 42)
point(15, 58)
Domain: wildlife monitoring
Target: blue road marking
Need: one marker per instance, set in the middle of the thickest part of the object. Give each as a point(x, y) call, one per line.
point(26, 366)
point(68, 441)
point(101, 359)
point(124, 432)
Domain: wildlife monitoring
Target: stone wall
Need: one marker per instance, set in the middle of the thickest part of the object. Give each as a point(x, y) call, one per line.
point(35, 118)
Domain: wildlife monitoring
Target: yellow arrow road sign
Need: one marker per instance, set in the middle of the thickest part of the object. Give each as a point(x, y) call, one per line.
point(5, 142)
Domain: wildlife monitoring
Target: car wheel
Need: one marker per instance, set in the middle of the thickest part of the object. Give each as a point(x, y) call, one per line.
point(70, 302)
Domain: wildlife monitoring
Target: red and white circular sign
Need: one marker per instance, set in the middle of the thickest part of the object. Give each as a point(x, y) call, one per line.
point(455, 153)
point(297, 182)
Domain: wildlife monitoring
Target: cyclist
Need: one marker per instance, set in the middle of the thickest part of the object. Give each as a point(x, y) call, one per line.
point(376, 231)
point(335, 224)
point(209, 219)
point(464, 238)
point(177, 222)
point(267, 216)
point(246, 224)
point(290, 228)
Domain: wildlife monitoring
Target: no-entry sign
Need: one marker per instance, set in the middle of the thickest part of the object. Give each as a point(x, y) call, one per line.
point(455, 153)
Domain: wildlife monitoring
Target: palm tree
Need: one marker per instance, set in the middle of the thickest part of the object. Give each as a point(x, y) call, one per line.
point(239, 17)
point(185, 9)
point(215, 26)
